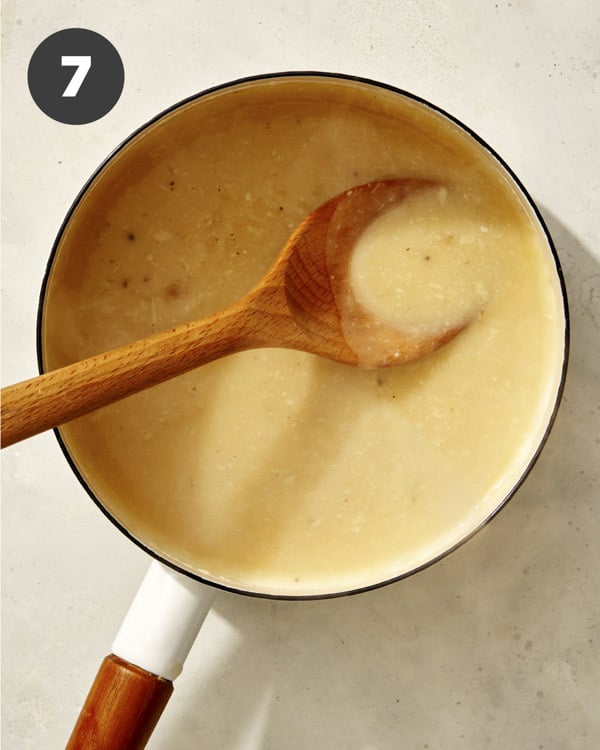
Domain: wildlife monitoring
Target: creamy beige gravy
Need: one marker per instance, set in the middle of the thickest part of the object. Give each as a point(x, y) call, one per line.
point(426, 265)
point(276, 471)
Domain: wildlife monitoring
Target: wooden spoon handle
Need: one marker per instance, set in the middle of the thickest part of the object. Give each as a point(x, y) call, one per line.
point(121, 709)
point(56, 397)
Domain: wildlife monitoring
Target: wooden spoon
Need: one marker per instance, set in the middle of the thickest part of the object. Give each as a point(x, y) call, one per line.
point(304, 302)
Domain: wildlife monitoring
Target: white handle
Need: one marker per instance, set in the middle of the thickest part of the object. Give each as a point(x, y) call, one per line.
point(163, 621)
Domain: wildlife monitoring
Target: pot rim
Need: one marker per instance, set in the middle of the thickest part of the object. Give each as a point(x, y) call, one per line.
point(496, 157)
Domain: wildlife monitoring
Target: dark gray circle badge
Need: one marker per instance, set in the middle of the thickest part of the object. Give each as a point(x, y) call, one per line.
point(75, 76)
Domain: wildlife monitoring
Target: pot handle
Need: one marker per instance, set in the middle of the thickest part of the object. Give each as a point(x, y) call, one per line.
point(135, 681)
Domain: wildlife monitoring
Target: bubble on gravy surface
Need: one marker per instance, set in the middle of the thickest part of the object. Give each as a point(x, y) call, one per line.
point(276, 471)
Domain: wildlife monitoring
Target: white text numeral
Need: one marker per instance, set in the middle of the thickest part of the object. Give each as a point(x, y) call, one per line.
point(83, 63)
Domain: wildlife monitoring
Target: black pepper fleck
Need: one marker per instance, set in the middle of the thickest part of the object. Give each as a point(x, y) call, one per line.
point(172, 291)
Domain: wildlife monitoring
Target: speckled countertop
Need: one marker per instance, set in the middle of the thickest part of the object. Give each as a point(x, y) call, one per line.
point(498, 645)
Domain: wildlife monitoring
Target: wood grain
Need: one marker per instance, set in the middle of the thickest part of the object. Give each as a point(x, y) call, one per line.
point(121, 709)
point(61, 395)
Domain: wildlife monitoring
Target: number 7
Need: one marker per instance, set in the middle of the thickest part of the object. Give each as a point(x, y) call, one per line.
point(83, 63)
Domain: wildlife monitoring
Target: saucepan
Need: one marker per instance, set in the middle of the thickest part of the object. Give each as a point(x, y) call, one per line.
point(275, 473)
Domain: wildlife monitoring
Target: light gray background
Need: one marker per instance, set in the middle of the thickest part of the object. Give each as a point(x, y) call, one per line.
point(497, 646)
